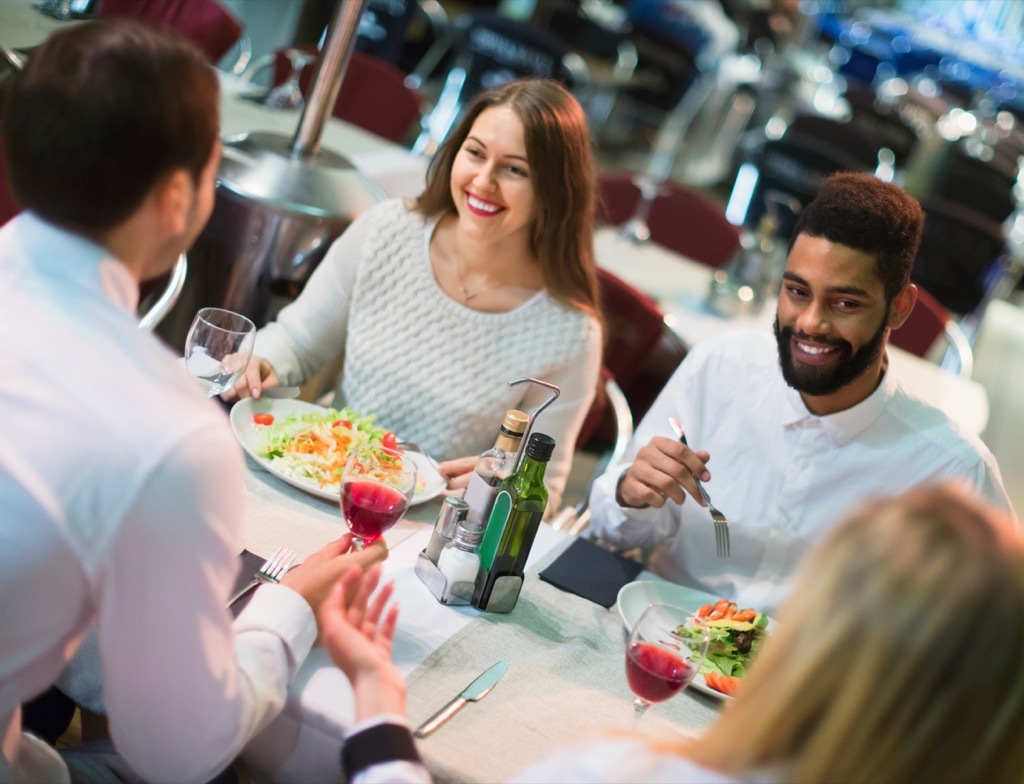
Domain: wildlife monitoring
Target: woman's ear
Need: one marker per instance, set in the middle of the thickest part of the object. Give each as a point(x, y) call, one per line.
point(902, 304)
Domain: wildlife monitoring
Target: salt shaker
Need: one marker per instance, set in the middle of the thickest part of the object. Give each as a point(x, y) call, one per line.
point(459, 563)
point(453, 511)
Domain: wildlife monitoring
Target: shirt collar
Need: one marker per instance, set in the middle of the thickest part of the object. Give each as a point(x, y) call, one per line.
point(72, 257)
point(843, 426)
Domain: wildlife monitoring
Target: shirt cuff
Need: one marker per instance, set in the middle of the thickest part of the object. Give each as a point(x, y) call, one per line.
point(377, 745)
point(283, 612)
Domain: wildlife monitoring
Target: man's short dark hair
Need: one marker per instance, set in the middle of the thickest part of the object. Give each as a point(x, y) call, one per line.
point(869, 215)
point(100, 113)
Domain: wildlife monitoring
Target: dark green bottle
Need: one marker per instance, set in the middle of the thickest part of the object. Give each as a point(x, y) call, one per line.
point(512, 525)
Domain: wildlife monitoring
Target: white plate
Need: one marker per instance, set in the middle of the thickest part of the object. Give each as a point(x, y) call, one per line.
point(634, 598)
point(251, 441)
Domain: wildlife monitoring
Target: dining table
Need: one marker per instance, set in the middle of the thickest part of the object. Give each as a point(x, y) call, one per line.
point(566, 655)
point(680, 286)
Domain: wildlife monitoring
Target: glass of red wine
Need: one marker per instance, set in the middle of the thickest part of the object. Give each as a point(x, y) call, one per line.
point(660, 662)
point(376, 488)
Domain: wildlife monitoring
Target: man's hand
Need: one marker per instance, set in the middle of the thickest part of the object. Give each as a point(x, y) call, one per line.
point(314, 577)
point(258, 374)
point(663, 469)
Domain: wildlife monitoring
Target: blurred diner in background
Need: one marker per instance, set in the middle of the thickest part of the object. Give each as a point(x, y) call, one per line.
point(488, 233)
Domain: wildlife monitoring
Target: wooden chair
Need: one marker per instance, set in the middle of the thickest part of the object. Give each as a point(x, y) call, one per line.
point(681, 218)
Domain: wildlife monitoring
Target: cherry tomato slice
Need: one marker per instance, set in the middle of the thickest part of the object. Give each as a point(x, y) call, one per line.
point(342, 423)
point(263, 419)
point(390, 440)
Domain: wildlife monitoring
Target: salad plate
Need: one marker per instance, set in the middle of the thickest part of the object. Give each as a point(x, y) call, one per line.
point(252, 437)
point(634, 597)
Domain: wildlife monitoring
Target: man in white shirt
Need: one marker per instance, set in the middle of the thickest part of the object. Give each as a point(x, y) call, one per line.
point(120, 482)
point(798, 431)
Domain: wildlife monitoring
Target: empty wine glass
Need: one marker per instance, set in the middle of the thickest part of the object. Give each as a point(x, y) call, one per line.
point(636, 229)
point(218, 348)
point(288, 94)
point(661, 661)
point(376, 488)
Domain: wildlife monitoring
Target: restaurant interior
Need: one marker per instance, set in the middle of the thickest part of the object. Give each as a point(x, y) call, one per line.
point(924, 92)
point(713, 123)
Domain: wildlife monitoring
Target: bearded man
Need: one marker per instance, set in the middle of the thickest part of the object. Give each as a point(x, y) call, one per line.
point(801, 430)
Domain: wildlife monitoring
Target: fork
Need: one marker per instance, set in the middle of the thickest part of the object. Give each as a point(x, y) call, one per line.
point(273, 569)
point(719, 519)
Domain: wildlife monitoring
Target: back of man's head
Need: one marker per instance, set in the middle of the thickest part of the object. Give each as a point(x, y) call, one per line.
point(869, 215)
point(101, 112)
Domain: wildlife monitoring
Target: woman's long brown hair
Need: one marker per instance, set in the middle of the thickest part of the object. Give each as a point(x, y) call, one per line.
point(562, 173)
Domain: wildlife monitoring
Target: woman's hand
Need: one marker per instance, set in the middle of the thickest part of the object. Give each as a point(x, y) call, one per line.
point(457, 472)
point(258, 374)
point(357, 633)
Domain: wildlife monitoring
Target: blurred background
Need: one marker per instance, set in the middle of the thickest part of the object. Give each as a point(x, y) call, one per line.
point(714, 121)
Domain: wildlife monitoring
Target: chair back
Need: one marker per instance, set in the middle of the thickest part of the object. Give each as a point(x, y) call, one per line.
point(373, 94)
point(985, 186)
point(488, 50)
point(925, 324)
point(959, 248)
point(681, 218)
point(795, 166)
point(639, 355)
point(383, 26)
point(206, 23)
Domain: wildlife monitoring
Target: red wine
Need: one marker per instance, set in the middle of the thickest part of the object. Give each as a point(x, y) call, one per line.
point(370, 508)
point(655, 674)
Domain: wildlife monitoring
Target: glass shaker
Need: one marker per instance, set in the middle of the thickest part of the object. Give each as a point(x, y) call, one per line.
point(459, 563)
point(453, 511)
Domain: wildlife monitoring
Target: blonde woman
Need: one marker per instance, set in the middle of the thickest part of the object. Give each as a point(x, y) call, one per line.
point(898, 657)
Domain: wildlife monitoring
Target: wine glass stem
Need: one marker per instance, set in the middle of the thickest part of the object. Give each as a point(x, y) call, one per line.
point(639, 709)
point(358, 543)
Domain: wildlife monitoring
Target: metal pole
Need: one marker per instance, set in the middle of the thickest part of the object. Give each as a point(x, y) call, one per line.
point(334, 57)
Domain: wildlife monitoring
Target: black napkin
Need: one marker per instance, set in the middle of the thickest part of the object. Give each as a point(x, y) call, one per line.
point(251, 564)
point(591, 571)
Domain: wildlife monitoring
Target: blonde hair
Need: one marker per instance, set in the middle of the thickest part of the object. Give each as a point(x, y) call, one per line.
point(898, 657)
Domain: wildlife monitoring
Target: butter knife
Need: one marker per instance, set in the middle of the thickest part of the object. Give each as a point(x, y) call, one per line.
point(476, 691)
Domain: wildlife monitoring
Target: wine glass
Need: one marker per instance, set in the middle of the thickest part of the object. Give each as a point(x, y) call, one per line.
point(376, 488)
point(218, 348)
point(661, 661)
point(288, 94)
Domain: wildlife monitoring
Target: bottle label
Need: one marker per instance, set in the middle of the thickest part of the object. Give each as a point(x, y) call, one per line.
point(495, 528)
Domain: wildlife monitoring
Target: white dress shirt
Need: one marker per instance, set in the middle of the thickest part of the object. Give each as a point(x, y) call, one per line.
point(120, 498)
point(781, 475)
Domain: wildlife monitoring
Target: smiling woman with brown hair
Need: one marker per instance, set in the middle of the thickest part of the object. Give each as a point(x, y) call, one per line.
point(489, 276)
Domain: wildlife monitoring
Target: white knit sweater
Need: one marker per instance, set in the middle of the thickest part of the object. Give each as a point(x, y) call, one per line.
point(433, 370)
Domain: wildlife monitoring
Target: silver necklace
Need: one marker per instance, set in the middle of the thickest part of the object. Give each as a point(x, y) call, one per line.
point(467, 295)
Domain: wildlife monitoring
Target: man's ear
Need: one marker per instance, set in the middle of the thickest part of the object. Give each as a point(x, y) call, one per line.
point(172, 199)
point(902, 304)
